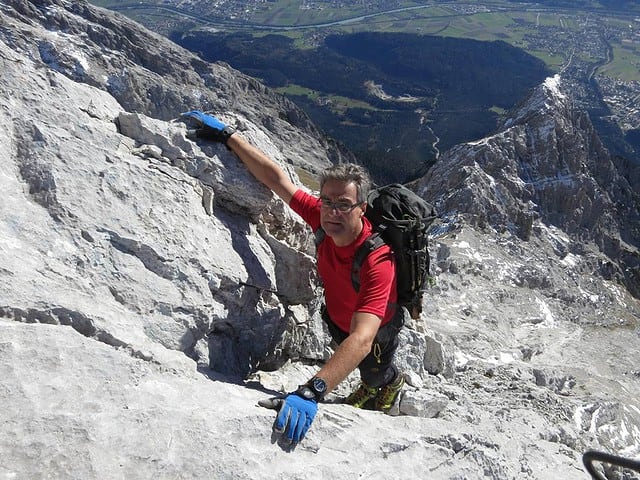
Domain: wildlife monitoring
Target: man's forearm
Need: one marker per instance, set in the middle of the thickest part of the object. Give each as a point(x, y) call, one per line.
point(345, 359)
point(262, 167)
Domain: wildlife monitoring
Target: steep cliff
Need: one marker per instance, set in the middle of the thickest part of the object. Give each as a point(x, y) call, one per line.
point(151, 292)
point(145, 73)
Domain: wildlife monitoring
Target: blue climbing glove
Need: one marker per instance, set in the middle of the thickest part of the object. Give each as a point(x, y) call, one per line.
point(207, 127)
point(295, 417)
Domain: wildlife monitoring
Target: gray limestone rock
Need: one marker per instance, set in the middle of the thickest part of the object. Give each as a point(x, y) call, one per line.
point(423, 403)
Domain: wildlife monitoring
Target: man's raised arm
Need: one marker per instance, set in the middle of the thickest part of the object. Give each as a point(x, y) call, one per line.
point(261, 167)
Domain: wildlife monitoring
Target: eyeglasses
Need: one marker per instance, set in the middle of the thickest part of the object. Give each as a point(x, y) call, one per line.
point(341, 206)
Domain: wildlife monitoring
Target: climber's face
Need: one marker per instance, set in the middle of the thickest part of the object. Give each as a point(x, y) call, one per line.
point(341, 214)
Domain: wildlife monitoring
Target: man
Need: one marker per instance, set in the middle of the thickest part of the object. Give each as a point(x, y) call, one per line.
point(365, 323)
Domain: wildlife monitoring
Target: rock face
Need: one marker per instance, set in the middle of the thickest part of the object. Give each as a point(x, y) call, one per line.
point(151, 292)
point(145, 73)
point(546, 166)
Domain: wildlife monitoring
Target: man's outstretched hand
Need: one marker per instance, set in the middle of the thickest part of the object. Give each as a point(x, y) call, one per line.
point(207, 127)
point(295, 415)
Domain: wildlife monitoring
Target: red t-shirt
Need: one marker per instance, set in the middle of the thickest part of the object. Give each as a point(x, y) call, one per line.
point(377, 294)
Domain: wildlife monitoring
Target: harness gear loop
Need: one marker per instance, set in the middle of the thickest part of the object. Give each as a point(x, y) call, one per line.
point(377, 352)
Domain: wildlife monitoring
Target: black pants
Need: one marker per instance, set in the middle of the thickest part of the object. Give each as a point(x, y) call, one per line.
point(377, 368)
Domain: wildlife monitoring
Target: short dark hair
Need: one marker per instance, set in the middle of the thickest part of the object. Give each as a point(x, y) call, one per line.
point(349, 172)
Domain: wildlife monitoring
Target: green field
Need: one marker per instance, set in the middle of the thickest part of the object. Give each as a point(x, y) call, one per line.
point(336, 103)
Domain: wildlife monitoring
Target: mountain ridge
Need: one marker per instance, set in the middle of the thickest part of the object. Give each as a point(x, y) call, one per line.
point(167, 81)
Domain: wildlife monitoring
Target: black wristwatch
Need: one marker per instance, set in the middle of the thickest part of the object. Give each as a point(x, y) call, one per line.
point(314, 389)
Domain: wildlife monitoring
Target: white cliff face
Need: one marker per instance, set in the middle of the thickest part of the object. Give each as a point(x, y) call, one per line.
point(101, 226)
point(146, 73)
point(122, 244)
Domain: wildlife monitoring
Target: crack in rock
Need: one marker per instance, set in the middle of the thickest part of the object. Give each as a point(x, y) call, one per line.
point(152, 261)
point(78, 321)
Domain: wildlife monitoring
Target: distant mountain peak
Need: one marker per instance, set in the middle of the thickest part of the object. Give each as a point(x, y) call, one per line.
point(547, 166)
point(552, 85)
point(546, 98)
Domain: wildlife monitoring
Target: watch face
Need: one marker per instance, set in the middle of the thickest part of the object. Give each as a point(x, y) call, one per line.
point(319, 385)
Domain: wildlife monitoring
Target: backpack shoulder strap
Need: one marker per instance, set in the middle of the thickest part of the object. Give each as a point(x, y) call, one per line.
point(319, 236)
point(373, 242)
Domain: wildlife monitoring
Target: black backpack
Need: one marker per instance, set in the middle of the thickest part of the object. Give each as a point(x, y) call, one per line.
point(400, 219)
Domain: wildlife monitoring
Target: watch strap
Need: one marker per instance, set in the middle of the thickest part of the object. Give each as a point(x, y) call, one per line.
point(227, 131)
point(315, 388)
point(307, 393)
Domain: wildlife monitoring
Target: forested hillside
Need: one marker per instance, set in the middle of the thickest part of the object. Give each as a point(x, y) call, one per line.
point(394, 99)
